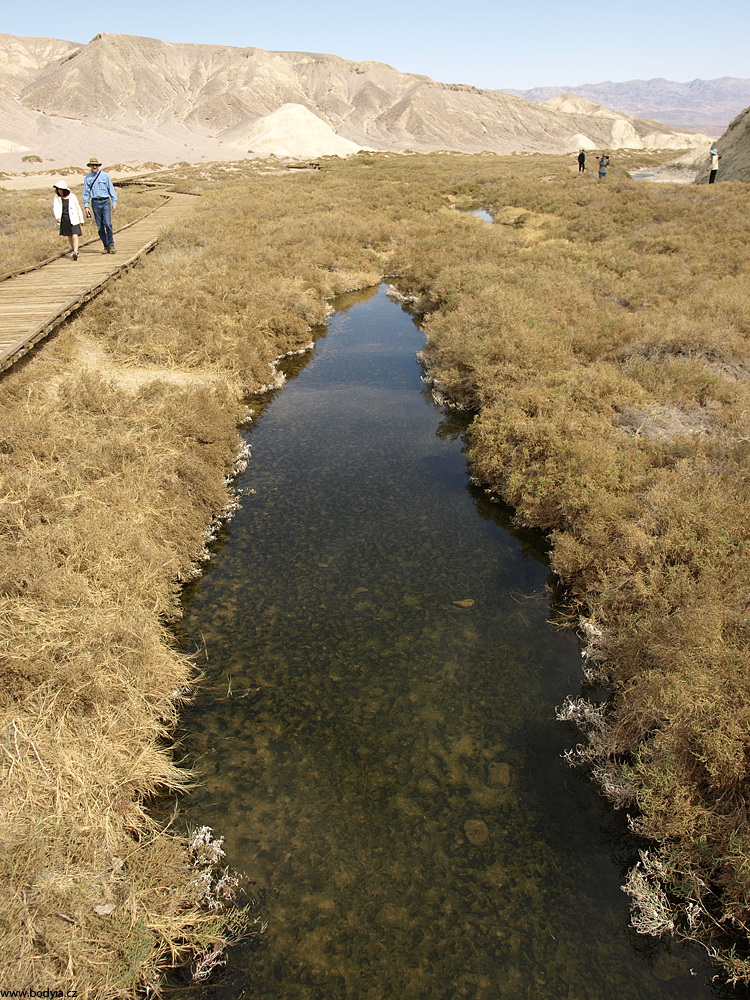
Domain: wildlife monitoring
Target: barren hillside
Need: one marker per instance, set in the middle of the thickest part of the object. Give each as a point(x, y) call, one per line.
point(692, 167)
point(734, 148)
point(130, 99)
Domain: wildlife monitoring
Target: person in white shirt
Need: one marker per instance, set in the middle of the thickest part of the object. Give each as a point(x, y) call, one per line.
point(714, 154)
point(68, 213)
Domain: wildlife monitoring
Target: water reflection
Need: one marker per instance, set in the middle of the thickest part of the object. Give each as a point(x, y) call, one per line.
point(376, 730)
point(479, 212)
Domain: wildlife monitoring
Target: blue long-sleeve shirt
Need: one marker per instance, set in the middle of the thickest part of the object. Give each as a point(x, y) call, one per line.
point(98, 185)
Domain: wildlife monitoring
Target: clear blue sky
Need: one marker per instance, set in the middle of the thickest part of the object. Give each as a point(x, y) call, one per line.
point(487, 43)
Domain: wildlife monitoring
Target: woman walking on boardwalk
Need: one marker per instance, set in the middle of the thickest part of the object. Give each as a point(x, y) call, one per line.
point(68, 213)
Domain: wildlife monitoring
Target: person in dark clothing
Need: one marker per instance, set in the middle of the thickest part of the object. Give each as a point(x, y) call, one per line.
point(582, 162)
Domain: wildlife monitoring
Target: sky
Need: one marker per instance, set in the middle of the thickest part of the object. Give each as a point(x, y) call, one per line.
point(492, 44)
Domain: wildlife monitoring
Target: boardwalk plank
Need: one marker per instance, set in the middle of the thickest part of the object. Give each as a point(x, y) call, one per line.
point(35, 302)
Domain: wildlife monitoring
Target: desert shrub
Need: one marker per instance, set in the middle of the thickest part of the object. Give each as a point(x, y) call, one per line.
point(87, 577)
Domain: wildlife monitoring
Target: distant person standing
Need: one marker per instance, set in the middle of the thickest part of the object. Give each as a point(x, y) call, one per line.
point(582, 162)
point(603, 161)
point(68, 213)
point(99, 193)
point(714, 166)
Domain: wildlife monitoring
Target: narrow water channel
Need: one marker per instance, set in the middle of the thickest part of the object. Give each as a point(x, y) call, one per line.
point(376, 728)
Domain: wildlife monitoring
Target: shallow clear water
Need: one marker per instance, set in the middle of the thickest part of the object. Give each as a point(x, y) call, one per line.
point(376, 726)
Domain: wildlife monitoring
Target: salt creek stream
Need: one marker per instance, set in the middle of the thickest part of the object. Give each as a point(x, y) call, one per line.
point(376, 726)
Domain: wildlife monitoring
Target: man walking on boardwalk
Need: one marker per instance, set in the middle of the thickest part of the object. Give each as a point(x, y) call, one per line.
point(100, 197)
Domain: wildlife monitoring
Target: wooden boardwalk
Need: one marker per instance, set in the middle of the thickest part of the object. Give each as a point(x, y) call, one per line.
point(36, 301)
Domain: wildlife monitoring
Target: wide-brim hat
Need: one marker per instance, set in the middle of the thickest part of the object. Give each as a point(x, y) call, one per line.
point(61, 185)
point(93, 162)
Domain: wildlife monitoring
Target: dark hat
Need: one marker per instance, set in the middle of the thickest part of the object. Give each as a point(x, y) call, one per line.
point(93, 162)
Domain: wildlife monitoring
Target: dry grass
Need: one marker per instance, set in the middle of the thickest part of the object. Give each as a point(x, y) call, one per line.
point(89, 674)
point(599, 331)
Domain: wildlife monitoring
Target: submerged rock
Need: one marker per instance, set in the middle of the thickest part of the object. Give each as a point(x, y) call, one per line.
point(428, 787)
point(477, 832)
point(499, 774)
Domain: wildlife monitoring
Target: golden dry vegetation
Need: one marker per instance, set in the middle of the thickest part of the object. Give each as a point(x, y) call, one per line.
point(599, 332)
point(116, 440)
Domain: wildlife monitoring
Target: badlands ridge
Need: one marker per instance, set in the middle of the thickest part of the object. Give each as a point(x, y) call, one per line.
point(132, 100)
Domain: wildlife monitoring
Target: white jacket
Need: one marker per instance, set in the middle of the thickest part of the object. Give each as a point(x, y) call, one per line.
point(74, 209)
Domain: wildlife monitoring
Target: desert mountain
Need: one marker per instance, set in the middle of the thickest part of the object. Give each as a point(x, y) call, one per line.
point(705, 105)
point(24, 58)
point(627, 132)
point(131, 99)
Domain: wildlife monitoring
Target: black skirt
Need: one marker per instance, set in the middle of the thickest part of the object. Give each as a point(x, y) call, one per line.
point(66, 226)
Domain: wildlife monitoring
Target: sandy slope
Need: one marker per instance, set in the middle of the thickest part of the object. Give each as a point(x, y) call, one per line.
point(293, 131)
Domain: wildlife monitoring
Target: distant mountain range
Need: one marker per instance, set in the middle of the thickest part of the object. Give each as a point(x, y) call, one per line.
point(129, 99)
point(704, 105)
